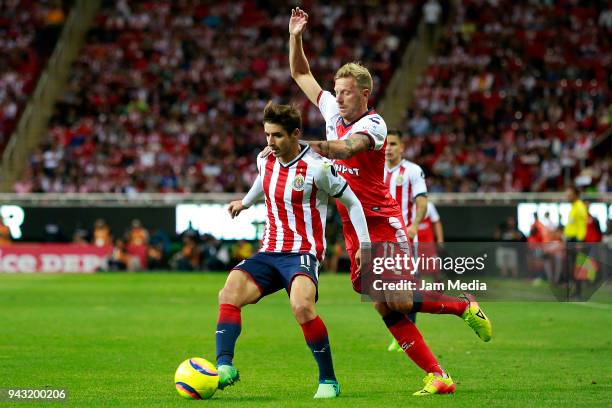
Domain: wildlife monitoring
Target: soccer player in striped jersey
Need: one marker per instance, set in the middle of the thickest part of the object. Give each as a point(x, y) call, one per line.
point(356, 139)
point(406, 183)
point(430, 237)
point(296, 183)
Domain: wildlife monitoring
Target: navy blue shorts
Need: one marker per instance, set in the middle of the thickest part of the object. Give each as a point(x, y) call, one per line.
point(273, 271)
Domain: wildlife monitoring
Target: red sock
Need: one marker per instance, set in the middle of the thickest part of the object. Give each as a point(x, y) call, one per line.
point(229, 314)
point(317, 339)
point(433, 302)
point(229, 326)
point(410, 339)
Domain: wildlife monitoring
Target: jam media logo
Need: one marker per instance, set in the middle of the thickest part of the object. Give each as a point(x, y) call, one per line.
point(298, 183)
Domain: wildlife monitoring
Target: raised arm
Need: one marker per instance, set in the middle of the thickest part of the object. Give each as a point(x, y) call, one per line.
point(300, 70)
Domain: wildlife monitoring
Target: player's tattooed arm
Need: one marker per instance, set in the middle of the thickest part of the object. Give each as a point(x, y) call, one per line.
point(320, 147)
point(342, 149)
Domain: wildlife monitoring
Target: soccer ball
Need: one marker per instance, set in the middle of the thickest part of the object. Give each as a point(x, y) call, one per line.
point(196, 378)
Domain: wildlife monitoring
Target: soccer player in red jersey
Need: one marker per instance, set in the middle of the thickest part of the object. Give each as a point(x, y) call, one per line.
point(296, 183)
point(356, 138)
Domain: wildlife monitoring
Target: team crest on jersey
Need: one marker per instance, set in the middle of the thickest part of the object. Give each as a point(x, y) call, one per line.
point(299, 182)
point(399, 180)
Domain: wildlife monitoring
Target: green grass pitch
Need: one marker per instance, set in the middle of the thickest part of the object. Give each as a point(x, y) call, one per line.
point(114, 340)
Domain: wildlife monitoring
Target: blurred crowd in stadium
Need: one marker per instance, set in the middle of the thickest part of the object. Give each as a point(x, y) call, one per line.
point(167, 96)
point(505, 105)
point(28, 32)
point(149, 108)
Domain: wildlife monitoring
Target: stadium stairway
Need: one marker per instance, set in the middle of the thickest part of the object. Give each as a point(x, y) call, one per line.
point(33, 122)
point(399, 92)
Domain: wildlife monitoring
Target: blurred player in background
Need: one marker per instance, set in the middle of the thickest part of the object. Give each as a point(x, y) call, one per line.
point(296, 183)
point(576, 227)
point(431, 229)
point(406, 183)
point(356, 138)
point(431, 239)
point(575, 231)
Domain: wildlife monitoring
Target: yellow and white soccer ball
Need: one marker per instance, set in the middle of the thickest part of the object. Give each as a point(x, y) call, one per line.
point(196, 378)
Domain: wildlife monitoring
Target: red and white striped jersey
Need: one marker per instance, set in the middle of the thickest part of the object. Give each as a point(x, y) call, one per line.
point(405, 182)
point(296, 196)
point(425, 231)
point(364, 171)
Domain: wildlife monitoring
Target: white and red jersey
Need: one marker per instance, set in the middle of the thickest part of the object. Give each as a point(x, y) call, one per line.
point(296, 196)
point(406, 182)
point(364, 171)
point(426, 231)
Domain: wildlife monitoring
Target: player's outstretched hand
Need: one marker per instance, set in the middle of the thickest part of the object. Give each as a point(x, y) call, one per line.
point(235, 208)
point(298, 21)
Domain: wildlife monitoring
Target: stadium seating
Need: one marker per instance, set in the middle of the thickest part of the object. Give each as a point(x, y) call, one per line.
point(167, 96)
point(514, 100)
point(28, 32)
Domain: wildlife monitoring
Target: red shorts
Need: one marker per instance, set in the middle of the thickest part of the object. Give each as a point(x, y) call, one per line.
point(382, 229)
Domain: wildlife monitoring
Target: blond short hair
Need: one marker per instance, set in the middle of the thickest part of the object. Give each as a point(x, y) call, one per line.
point(359, 72)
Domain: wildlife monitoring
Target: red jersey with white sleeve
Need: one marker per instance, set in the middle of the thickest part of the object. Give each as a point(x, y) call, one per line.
point(406, 182)
point(296, 196)
point(363, 171)
point(426, 227)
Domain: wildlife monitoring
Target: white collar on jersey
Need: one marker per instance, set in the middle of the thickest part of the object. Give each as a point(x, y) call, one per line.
point(304, 148)
point(392, 169)
point(402, 162)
